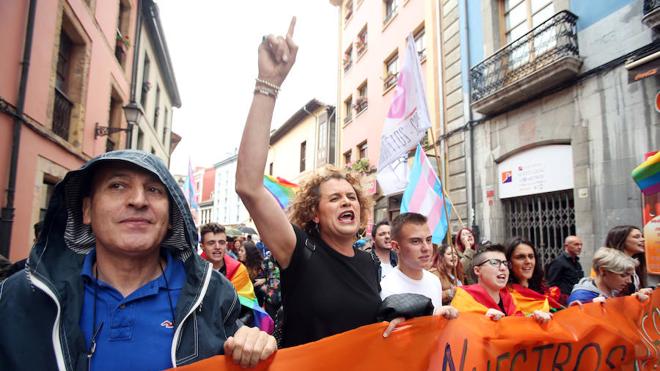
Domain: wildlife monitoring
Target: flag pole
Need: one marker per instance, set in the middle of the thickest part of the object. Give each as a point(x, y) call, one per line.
point(444, 191)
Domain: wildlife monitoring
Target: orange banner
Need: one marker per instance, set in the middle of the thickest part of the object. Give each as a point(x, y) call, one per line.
point(610, 336)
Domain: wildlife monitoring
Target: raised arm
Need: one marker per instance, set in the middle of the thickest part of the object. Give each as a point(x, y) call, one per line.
point(276, 57)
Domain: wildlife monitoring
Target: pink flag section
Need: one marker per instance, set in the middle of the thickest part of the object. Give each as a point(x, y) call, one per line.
point(405, 124)
point(424, 195)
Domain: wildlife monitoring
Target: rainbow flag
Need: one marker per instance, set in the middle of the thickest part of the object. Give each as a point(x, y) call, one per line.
point(261, 317)
point(647, 175)
point(281, 189)
point(239, 277)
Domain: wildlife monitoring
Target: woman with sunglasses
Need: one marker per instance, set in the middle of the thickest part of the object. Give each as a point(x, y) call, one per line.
point(489, 295)
point(526, 279)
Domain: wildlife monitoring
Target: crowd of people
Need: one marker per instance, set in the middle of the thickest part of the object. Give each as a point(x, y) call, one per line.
point(116, 271)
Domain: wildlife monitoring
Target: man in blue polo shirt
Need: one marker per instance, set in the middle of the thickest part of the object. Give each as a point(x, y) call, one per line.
point(114, 281)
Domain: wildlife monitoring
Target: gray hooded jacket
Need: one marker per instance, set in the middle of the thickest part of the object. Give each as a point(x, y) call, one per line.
point(585, 291)
point(40, 307)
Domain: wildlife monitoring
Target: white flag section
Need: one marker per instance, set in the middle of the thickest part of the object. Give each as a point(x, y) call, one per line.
point(394, 177)
point(405, 124)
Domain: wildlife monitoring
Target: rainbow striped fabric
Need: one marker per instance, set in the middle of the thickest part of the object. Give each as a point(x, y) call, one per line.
point(647, 175)
point(281, 189)
point(261, 317)
point(239, 277)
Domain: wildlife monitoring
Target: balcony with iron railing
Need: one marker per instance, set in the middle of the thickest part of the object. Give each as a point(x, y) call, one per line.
point(651, 16)
point(543, 58)
point(62, 114)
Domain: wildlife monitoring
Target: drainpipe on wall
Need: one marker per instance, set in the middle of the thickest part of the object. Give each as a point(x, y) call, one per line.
point(467, 111)
point(442, 141)
point(7, 216)
point(134, 69)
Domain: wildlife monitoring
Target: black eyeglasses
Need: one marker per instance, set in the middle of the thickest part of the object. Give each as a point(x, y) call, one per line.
point(495, 263)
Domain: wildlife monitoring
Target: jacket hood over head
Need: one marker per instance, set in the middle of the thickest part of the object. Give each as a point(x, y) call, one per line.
point(63, 232)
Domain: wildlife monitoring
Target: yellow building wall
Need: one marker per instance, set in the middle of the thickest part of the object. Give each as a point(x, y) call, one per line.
point(285, 153)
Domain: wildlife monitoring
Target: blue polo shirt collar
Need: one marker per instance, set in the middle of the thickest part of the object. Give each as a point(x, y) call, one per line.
point(170, 273)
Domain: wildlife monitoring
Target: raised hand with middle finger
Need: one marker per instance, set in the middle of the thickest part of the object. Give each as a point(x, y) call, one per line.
point(277, 55)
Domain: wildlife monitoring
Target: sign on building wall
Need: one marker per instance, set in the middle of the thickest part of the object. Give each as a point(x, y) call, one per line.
point(537, 170)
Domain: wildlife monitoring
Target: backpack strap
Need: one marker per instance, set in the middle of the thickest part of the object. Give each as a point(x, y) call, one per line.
point(310, 248)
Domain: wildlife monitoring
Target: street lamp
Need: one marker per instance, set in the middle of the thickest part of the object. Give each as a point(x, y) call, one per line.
point(133, 112)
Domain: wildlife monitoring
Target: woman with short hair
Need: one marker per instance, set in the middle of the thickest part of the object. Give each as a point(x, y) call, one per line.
point(614, 272)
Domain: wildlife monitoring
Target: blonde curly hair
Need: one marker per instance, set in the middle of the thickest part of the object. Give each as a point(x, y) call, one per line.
point(305, 205)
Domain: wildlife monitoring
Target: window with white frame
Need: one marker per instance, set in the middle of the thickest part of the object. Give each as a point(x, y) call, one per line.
point(521, 16)
point(420, 45)
point(389, 9)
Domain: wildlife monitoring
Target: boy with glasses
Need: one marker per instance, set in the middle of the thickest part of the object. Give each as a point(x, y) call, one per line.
point(489, 295)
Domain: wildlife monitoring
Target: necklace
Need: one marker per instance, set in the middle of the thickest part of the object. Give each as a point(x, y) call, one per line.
point(97, 330)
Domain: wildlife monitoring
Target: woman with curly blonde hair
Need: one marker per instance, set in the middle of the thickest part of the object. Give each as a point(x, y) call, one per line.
point(327, 286)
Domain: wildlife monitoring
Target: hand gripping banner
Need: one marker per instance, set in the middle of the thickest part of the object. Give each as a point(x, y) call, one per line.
point(621, 334)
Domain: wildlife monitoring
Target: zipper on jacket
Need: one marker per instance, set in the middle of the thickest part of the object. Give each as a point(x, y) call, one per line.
point(57, 343)
point(198, 302)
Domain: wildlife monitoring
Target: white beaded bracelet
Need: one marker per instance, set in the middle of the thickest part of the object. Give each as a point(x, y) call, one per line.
point(268, 83)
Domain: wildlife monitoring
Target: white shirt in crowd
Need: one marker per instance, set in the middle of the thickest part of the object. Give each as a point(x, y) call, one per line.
point(396, 282)
point(385, 269)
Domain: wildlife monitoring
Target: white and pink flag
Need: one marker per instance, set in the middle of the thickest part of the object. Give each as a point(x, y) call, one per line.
point(405, 124)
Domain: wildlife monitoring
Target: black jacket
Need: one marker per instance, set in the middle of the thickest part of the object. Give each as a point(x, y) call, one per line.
point(564, 272)
point(41, 306)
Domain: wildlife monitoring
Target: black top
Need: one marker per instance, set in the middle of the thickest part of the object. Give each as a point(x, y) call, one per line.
point(325, 293)
point(564, 272)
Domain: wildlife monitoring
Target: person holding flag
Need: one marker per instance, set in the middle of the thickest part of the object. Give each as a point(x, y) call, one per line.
point(214, 246)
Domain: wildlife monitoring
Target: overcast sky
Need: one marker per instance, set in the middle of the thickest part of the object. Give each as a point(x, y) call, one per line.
point(213, 45)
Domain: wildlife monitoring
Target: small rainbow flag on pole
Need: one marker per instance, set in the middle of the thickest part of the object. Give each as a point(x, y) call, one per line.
point(281, 189)
point(647, 175)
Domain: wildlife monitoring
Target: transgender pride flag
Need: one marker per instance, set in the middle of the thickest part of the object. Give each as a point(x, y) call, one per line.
point(189, 189)
point(423, 195)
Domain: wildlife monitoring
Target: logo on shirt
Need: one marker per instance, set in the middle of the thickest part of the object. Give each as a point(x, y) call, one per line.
point(167, 324)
